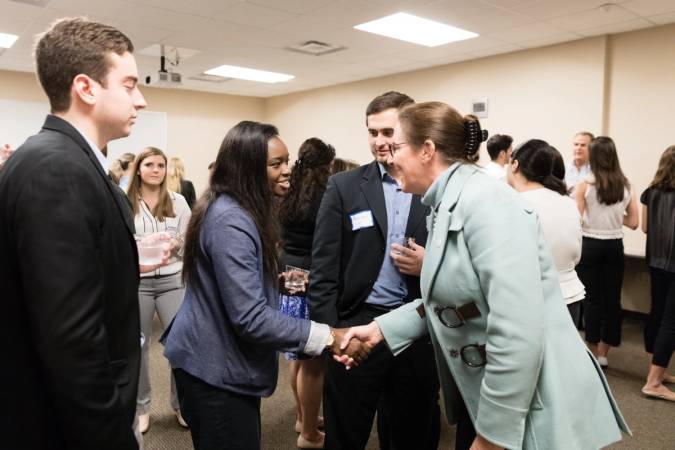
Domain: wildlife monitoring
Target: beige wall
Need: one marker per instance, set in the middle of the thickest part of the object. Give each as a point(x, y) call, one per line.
point(548, 92)
point(196, 121)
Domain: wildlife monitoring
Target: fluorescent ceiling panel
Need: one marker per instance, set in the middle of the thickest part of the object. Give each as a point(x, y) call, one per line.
point(417, 30)
point(244, 73)
point(7, 40)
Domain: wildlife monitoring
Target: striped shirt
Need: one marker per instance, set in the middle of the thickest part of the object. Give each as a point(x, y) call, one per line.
point(176, 226)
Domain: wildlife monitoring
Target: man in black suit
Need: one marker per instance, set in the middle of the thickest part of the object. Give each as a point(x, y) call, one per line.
point(360, 270)
point(69, 266)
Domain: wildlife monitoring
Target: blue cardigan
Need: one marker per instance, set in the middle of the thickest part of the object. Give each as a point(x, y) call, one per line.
point(229, 328)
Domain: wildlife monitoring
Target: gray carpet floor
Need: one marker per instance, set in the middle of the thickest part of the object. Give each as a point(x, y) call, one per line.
point(652, 421)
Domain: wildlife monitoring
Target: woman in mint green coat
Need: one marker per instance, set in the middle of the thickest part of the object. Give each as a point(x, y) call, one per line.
point(509, 358)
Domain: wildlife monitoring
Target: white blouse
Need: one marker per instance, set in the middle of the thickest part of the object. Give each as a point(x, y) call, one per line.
point(145, 222)
point(561, 222)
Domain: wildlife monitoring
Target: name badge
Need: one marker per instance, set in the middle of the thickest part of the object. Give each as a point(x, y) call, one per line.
point(362, 219)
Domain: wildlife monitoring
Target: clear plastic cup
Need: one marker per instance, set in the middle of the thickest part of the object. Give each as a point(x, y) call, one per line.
point(151, 248)
point(295, 278)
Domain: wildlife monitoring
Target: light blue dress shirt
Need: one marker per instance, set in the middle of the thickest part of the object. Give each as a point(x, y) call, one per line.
point(574, 176)
point(390, 289)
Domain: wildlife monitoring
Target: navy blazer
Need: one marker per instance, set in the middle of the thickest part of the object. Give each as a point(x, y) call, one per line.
point(229, 327)
point(346, 263)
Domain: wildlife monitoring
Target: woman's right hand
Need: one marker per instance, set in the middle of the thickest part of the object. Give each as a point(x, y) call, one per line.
point(370, 335)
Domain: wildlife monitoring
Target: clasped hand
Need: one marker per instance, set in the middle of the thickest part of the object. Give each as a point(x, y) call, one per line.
point(352, 345)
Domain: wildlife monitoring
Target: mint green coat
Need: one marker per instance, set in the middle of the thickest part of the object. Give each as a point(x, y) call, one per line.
point(541, 388)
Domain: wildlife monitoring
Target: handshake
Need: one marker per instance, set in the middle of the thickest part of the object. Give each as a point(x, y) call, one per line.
point(352, 346)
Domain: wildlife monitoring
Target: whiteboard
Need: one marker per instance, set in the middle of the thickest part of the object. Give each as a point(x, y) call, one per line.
point(21, 119)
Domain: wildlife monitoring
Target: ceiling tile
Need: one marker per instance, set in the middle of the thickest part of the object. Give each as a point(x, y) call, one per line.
point(549, 40)
point(253, 15)
point(629, 25)
point(531, 31)
point(254, 33)
point(647, 8)
point(663, 19)
point(592, 18)
point(203, 8)
point(292, 6)
point(548, 9)
point(507, 48)
point(510, 3)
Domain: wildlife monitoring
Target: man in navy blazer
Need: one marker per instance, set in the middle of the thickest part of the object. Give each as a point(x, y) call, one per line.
point(69, 270)
point(359, 270)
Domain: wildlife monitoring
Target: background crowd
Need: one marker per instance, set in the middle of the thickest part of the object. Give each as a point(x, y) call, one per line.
point(381, 283)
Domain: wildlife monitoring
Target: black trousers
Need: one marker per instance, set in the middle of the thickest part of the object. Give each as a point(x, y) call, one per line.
point(660, 325)
point(218, 419)
point(403, 390)
point(601, 271)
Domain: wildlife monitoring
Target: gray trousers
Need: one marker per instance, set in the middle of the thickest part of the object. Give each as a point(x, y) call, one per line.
point(163, 295)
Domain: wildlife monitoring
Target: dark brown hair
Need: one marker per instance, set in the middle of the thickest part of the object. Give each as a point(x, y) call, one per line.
point(72, 47)
point(388, 100)
point(164, 207)
point(342, 165)
point(240, 171)
point(541, 163)
point(610, 182)
point(665, 174)
point(498, 143)
point(456, 137)
point(308, 180)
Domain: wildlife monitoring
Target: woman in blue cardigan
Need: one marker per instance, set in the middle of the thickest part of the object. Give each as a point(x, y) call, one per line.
point(223, 343)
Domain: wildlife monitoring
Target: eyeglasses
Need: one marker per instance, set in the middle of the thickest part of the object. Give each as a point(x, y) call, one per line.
point(394, 147)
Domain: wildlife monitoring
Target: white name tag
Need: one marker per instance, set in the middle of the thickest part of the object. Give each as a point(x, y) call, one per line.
point(362, 219)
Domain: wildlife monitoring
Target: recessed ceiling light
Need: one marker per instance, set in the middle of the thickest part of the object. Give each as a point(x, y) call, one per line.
point(244, 73)
point(7, 40)
point(417, 30)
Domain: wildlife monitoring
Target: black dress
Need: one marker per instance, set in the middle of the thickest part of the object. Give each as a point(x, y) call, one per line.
point(187, 190)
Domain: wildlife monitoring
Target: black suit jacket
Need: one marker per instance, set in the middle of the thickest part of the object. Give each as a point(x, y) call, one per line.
point(69, 280)
point(346, 263)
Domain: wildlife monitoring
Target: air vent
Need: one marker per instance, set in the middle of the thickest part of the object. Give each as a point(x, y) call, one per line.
point(315, 48)
point(209, 78)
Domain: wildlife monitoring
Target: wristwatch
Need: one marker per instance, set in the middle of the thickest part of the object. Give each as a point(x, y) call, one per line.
point(331, 339)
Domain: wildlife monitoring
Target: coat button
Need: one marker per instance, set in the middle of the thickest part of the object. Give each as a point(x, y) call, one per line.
point(454, 353)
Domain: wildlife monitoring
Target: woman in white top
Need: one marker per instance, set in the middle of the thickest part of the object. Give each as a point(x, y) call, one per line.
point(606, 202)
point(537, 171)
point(157, 209)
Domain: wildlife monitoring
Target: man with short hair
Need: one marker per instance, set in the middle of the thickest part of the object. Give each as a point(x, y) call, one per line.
point(579, 168)
point(499, 147)
point(360, 269)
point(69, 270)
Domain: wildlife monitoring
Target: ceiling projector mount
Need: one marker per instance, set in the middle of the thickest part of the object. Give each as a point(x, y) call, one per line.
point(166, 77)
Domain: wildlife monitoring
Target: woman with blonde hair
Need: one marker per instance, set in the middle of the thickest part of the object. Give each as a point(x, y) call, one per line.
point(157, 209)
point(121, 170)
point(176, 181)
point(658, 221)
